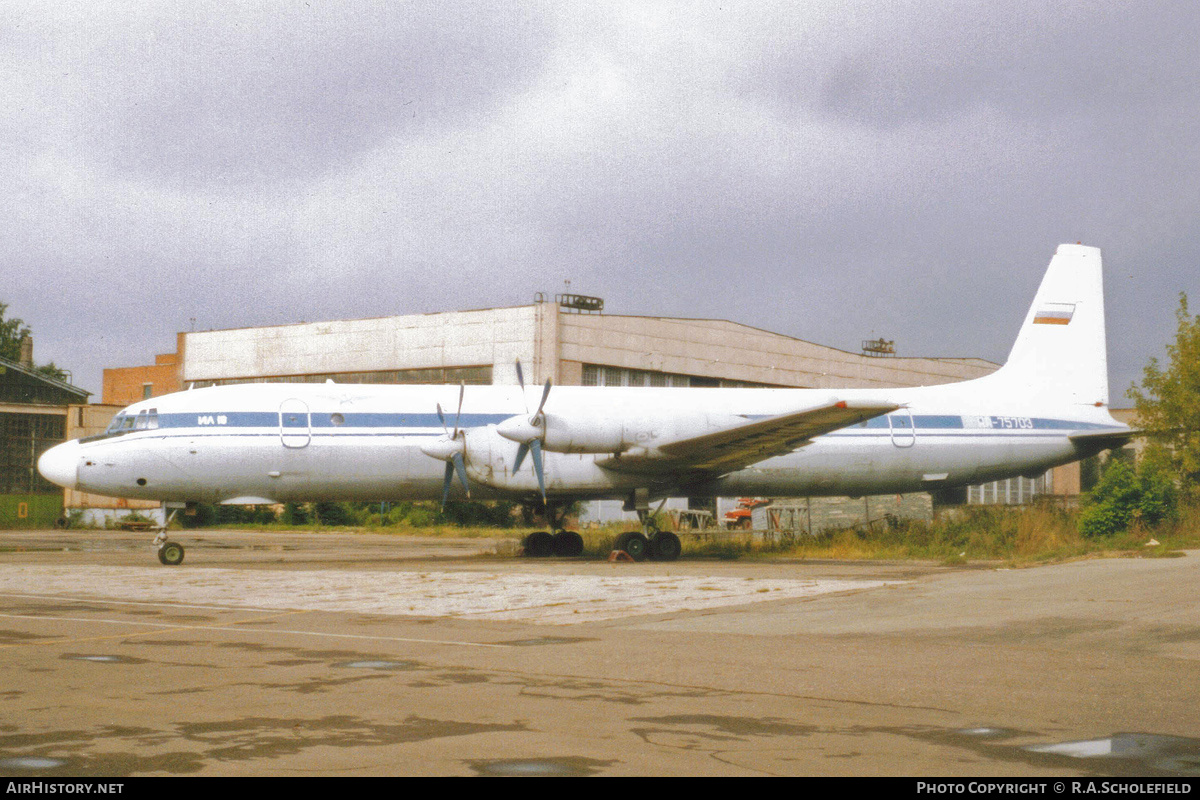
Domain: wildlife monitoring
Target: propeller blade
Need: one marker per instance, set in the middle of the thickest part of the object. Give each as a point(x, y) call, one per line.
point(446, 483)
point(522, 449)
point(461, 467)
point(545, 394)
point(442, 417)
point(521, 383)
point(535, 447)
point(462, 389)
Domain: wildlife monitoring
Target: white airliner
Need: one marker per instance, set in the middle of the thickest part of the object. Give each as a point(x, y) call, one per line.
point(272, 443)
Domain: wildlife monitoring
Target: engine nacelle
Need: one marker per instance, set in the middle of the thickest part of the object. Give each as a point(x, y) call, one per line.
point(594, 435)
point(610, 434)
point(490, 457)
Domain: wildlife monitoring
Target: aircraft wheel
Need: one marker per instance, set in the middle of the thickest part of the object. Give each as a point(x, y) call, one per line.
point(568, 544)
point(665, 546)
point(635, 544)
point(539, 544)
point(170, 553)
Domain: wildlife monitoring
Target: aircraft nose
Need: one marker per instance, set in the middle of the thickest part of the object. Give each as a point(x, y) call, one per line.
point(60, 464)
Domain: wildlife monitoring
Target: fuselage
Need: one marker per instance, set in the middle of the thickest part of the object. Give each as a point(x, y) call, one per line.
point(269, 443)
point(259, 443)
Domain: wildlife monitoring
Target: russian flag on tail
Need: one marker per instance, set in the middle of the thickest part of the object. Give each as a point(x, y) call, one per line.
point(1054, 314)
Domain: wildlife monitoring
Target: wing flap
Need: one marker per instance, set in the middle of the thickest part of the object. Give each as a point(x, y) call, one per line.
point(755, 440)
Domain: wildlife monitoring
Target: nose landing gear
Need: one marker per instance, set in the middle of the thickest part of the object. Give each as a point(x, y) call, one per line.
point(169, 553)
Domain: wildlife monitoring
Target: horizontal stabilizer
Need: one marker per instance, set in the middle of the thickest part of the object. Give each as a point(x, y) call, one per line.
point(1104, 440)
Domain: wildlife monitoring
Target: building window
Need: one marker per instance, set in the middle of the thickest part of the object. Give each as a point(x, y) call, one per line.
point(597, 375)
point(481, 375)
point(147, 391)
point(1014, 491)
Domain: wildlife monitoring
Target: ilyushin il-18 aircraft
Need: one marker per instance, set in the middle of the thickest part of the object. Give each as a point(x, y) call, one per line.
point(273, 443)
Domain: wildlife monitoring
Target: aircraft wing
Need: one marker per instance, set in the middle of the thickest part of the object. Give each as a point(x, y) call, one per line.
point(740, 445)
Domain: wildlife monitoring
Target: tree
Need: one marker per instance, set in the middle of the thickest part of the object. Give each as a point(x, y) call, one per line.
point(12, 331)
point(1168, 402)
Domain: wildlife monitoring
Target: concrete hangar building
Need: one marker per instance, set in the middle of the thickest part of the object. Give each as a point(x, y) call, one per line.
point(568, 339)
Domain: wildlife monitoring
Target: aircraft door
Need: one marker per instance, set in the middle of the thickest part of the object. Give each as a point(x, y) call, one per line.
point(902, 428)
point(295, 423)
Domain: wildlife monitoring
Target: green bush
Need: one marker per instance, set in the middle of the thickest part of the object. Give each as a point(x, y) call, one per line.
point(421, 517)
point(333, 513)
point(295, 514)
point(1127, 494)
point(203, 515)
point(497, 514)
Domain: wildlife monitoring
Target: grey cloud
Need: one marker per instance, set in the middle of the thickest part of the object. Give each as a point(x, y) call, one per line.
point(810, 168)
point(229, 94)
point(904, 63)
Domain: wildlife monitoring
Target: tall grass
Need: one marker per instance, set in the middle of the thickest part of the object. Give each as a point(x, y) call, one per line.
point(1014, 535)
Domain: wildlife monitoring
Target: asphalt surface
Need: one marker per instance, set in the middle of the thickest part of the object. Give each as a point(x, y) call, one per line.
point(345, 654)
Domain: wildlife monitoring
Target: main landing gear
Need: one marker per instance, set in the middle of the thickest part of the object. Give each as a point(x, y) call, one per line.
point(562, 543)
point(649, 542)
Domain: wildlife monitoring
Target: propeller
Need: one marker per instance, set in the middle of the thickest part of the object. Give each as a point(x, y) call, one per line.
point(529, 432)
point(452, 449)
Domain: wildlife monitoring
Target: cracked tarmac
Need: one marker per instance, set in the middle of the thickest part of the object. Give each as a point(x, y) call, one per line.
point(111, 665)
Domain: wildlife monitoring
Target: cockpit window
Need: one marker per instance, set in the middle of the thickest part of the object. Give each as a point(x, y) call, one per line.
point(144, 420)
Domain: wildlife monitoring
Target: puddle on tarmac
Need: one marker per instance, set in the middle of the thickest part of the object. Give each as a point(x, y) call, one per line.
point(31, 763)
point(994, 733)
point(540, 767)
point(394, 665)
point(1122, 754)
point(543, 640)
point(1175, 754)
point(258, 548)
point(101, 658)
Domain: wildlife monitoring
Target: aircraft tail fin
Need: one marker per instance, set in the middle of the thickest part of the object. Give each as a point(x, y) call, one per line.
point(1060, 356)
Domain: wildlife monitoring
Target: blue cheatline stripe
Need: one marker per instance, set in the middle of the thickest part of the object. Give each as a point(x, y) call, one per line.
point(980, 423)
point(322, 420)
point(270, 419)
point(931, 434)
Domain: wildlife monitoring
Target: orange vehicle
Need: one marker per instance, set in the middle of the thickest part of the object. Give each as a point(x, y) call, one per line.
point(742, 517)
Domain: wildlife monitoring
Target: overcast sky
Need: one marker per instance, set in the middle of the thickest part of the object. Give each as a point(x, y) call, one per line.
point(829, 170)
